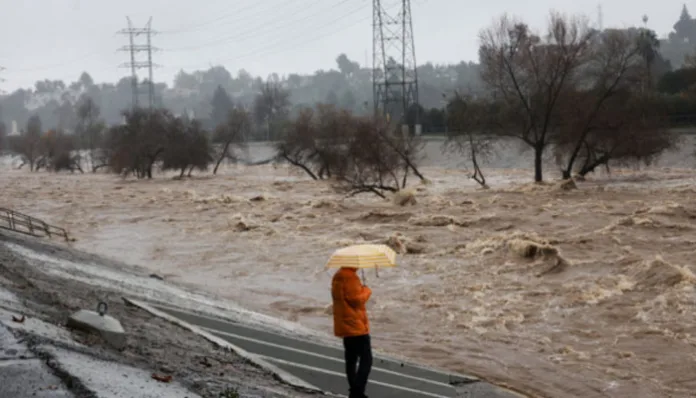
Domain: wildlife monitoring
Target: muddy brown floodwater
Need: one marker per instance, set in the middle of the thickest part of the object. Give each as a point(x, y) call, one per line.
point(586, 292)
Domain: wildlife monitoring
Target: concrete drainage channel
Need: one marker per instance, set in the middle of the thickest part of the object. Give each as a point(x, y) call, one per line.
point(315, 366)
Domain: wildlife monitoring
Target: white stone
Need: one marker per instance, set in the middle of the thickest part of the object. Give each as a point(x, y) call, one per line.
point(107, 326)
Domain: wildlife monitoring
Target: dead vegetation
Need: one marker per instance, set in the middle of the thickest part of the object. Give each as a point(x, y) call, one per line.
point(358, 154)
point(232, 135)
point(570, 89)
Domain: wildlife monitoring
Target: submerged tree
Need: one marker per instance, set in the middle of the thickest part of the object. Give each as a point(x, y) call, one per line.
point(468, 133)
point(360, 154)
point(232, 134)
point(90, 132)
point(529, 76)
point(187, 147)
point(135, 146)
point(28, 144)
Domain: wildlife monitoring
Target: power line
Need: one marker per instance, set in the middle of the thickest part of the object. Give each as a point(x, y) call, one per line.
point(283, 45)
point(255, 32)
point(134, 65)
point(71, 61)
point(196, 27)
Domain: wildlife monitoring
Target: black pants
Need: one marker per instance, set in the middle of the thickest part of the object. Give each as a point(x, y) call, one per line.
point(358, 347)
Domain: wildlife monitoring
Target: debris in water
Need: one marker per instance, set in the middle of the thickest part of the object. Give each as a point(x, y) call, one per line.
point(405, 198)
point(162, 378)
point(258, 198)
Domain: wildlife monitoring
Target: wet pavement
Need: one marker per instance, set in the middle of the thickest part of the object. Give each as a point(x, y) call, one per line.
point(322, 365)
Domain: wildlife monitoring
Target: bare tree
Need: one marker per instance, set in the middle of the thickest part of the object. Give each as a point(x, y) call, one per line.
point(370, 163)
point(314, 140)
point(58, 152)
point(632, 128)
point(90, 132)
point(359, 154)
point(187, 147)
point(271, 108)
point(467, 133)
point(234, 132)
point(28, 143)
point(3, 136)
point(614, 66)
point(529, 75)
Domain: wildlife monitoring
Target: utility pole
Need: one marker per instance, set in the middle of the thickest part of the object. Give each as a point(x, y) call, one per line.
point(394, 77)
point(134, 64)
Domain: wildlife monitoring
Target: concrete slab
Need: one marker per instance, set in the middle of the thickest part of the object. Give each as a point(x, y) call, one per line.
point(11, 348)
point(105, 325)
point(330, 366)
point(29, 378)
point(22, 375)
point(322, 365)
point(244, 331)
point(286, 377)
point(113, 380)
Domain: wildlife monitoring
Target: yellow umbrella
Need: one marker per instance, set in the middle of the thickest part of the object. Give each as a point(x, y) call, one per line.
point(363, 256)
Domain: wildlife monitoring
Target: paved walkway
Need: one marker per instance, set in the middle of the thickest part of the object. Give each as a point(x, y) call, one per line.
point(322, 365)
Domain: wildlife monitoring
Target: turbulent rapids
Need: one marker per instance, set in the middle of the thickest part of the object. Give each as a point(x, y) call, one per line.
point(559, 292)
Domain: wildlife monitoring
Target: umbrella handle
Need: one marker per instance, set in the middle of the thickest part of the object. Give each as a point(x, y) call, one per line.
point(377, 270)
point(362, 273)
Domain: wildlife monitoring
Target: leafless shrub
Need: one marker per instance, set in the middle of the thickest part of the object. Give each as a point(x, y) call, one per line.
point(90, 132)
point(603, 98)
point(316, 140)
point(233, 133)
point(360, 154)
point(28, 143)
point(58, 152)
point(631, 129)
point(468, 133)
point(271, 108)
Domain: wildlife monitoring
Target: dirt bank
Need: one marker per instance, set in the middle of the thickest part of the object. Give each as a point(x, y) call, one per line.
point(152, 342)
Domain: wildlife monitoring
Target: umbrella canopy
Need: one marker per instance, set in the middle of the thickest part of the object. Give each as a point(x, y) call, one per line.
point(363, 256)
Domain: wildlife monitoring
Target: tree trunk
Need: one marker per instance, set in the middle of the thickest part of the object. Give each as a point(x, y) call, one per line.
point(222, 156)
point(590, 167)
point(302, 166)
point(538, 164)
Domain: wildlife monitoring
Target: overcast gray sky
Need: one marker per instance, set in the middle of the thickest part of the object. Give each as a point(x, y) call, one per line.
point(58, 39)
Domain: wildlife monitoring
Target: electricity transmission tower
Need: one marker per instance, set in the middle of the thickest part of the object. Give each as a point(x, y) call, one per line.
point(394, 76)
point(134, 64)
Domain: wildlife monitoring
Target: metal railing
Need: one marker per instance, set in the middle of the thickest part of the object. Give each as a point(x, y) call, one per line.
point(22, 223)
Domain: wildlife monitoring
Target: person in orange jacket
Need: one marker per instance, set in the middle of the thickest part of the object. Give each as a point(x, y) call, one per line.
point(351, 324)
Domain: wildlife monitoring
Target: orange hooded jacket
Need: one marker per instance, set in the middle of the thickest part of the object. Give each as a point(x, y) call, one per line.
point(349, 298)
